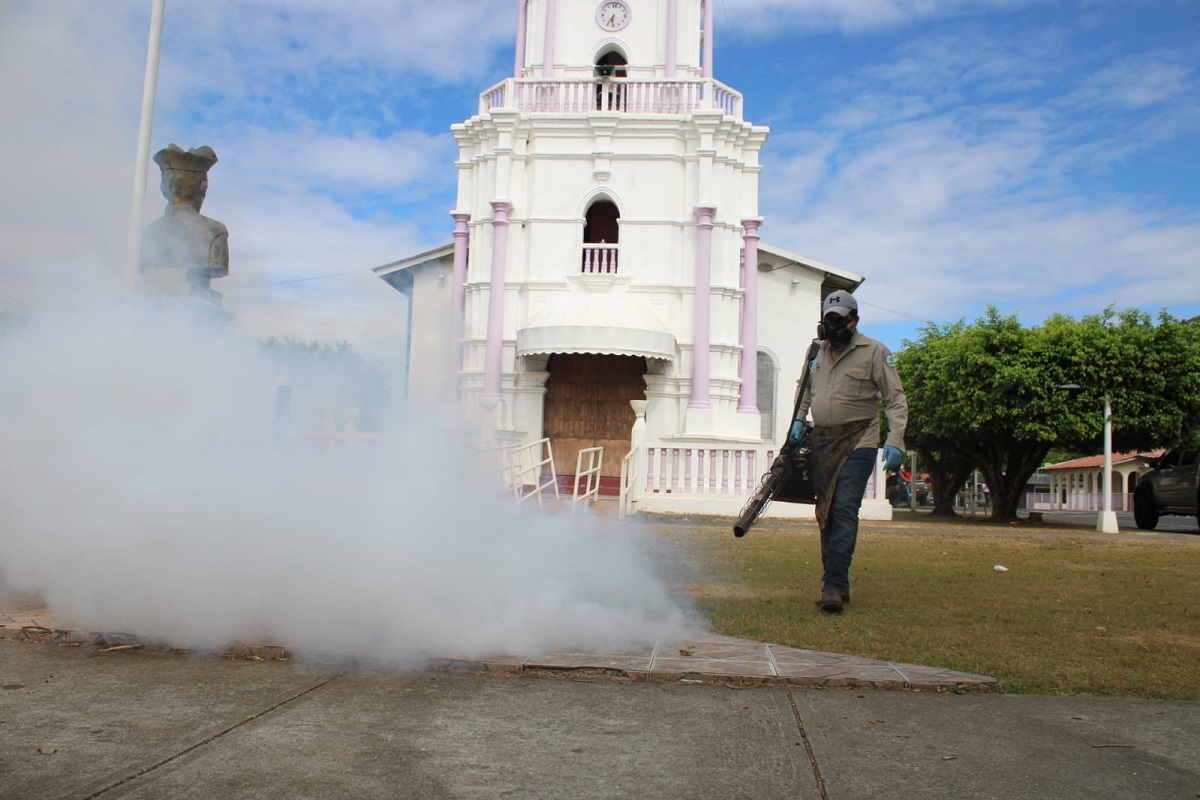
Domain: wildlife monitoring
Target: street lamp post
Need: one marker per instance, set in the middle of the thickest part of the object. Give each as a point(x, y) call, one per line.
point(1107, 520)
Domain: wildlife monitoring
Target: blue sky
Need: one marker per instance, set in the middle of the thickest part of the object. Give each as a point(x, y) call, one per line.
point(1040, 156)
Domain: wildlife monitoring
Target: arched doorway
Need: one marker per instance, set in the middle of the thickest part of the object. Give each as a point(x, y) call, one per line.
point(587, 405)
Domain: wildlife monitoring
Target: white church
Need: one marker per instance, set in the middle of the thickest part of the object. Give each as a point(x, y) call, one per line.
point(606, 286)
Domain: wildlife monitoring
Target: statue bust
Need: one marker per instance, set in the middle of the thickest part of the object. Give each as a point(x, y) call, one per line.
point(182, 250)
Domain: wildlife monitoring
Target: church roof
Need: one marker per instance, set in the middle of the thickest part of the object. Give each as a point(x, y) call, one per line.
point(835, 276)
point(436, 254)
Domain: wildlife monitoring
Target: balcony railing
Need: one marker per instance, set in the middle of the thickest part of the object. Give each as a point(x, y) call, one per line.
point(621, 95)
point(599, 259)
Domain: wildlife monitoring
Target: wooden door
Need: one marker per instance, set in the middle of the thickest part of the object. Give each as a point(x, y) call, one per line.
point(587, 405)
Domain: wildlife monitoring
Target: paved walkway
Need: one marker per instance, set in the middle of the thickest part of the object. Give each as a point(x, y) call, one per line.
point(76, 722)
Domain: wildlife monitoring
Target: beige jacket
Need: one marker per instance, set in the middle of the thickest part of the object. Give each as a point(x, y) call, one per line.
point(851, 385)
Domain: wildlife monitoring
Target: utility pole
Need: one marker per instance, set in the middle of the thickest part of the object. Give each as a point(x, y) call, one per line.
point(133, 244)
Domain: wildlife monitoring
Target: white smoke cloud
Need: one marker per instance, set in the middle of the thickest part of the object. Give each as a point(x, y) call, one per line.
point(146, 489)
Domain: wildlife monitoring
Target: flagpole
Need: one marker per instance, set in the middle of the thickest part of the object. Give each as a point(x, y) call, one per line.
point(133, 245)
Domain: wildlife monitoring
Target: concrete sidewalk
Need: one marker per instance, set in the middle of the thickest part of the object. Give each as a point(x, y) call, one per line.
point(80, 723)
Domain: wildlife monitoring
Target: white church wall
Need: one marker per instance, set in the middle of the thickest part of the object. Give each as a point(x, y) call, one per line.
point(429, 371)
point(788, 314)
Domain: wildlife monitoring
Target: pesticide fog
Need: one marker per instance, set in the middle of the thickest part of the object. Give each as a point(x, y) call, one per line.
point(147, 489)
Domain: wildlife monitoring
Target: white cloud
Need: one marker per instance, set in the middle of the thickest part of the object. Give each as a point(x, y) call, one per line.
point(405, 163)
point(251, 44)
point(1137, 82)
point(852, 15)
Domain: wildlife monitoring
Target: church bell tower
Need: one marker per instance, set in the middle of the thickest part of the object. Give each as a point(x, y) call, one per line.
point(607, 209)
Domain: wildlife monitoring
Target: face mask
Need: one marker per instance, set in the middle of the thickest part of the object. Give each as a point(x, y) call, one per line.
point(838, 332)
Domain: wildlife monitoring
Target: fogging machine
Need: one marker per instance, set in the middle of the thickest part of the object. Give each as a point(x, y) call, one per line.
point(789, 480)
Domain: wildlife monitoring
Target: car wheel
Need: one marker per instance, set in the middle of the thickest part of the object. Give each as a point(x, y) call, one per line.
point(1144, 513)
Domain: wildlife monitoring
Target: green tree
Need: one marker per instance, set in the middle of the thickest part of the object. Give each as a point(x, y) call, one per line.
point(947, 466)
point(989, 395)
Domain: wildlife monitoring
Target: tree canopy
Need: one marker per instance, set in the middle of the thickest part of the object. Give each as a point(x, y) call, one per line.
point(990, 395)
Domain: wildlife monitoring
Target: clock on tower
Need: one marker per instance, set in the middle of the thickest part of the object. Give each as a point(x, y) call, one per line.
point(612, 15)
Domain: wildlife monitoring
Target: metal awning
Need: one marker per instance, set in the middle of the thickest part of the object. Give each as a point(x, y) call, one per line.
point(596, 323)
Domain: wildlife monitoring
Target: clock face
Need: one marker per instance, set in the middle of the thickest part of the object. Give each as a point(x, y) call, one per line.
point(612, 15)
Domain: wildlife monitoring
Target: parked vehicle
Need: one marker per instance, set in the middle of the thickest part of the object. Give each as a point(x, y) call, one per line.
point(1171, 487)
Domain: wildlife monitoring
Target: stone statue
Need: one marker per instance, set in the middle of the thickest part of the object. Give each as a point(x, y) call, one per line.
point(182, 250)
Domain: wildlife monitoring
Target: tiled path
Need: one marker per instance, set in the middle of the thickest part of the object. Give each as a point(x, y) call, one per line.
point(714, 659)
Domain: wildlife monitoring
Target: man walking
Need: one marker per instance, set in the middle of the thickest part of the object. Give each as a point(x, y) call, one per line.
point(851, 377)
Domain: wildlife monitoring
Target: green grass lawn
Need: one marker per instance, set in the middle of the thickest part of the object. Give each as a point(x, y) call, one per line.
point(1073, 613)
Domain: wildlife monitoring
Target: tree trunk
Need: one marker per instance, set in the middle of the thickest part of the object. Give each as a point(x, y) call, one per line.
point(1007, 474)
point(948, 470)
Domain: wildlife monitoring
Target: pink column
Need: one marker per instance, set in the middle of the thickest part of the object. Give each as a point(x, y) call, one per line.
point(459, 290)
point(748, 402)
point(551, 23)
point(708, 38)
point(700, 323)
point(522, 21)
point(495, 326)
point(672, 35)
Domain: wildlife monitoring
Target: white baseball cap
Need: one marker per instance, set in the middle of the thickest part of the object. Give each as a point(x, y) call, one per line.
point(841, 303)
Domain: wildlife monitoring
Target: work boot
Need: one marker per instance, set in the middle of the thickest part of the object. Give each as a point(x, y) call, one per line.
point(831, 600)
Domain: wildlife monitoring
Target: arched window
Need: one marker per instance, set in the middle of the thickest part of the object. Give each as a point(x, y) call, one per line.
point(766, 394)
point(610, 97)
point(601, 233)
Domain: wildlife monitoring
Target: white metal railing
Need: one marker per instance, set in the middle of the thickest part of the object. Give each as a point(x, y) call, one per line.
point(528, 467)
point(627, 493)
point(623, 95)
point(705, 471)
point(600, 259)
point(588, 462)
point(495, 460)
point(1076, 501)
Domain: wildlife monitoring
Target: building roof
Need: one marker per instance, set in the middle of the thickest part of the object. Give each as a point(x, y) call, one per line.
point(835, 275)
point(1097, 462)
point(436, 254)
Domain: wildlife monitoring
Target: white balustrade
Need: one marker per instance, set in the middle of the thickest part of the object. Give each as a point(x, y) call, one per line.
point(623, 95)
point(600, 259)
point(718, 472)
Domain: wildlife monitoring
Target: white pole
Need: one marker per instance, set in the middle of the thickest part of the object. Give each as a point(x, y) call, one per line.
point(133, 244)
point(912, 480)
point(1108, 518)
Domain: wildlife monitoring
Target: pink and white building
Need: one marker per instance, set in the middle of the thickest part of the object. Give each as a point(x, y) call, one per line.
point(606, 284)
point(1078, 484)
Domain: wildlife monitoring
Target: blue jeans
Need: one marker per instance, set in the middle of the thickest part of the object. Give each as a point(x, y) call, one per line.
point(840, 534)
